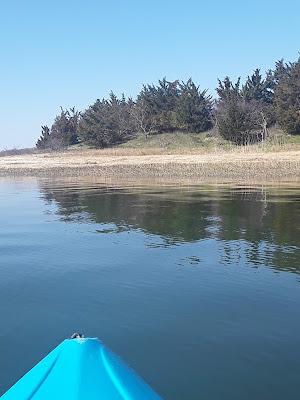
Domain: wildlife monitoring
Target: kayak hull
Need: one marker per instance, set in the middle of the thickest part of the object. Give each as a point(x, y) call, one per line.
point(77, 369)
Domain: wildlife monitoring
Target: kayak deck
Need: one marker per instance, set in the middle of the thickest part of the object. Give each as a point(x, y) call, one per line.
point(81, 368)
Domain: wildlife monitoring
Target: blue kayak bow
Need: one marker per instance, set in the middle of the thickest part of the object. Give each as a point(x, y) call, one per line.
point(77, 369)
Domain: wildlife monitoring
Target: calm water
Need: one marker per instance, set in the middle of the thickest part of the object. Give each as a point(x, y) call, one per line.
point(197, 288)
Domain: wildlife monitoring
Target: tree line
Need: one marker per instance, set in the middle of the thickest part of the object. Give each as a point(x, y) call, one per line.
point(241, 113)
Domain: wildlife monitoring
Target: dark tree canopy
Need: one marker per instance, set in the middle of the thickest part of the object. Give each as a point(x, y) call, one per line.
point(242, 112)
point(158, 104)
point(287, 99)
point(194, 108)
point(258, 89)
point(44, 140)
point(63, 132)
point(107, 122)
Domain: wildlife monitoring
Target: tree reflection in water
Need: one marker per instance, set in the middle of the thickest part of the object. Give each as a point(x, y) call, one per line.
point(259, 225)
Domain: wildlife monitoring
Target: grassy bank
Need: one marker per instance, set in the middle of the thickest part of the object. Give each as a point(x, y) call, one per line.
point(174, 156)
point(210, 140)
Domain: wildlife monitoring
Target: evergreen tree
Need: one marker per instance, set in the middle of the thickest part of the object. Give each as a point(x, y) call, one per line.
point(143, 114)
point(280, 71)
point(274, 77)
point(157, 106)
point(229, 92)
point(146, 110)
point(94, 127)
point(43, 141)
point(167, 95)
point(64, 131)
point(194, 108)
point(260, 93)
point(258, 89)
point(107, 122)
point(238, 120)
point(287, 99)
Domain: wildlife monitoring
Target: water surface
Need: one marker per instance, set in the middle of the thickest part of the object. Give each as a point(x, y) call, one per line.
point(197, 288)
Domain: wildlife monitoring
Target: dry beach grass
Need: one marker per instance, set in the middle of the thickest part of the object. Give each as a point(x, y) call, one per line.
point(237, 164)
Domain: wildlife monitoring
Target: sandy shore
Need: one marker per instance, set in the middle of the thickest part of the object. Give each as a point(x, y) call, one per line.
point(234, 165)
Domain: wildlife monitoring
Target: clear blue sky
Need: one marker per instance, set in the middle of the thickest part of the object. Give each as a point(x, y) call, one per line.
point(68, 53)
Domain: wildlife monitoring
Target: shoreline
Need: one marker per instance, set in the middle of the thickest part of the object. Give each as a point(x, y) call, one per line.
point(237, 166)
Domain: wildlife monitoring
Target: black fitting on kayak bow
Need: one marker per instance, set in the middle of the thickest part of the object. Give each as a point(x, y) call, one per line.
point(77, 335)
